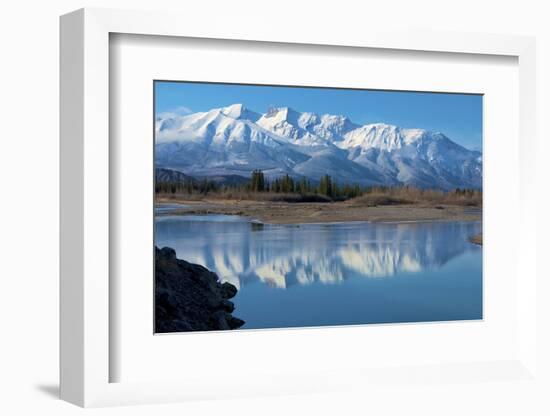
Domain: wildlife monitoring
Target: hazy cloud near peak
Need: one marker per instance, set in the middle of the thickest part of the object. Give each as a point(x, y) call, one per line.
point(178, 111)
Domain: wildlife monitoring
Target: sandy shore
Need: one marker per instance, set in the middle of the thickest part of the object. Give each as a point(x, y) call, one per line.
point(299, 213)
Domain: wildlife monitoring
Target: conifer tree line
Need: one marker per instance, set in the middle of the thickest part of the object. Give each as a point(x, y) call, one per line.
point(286, 184)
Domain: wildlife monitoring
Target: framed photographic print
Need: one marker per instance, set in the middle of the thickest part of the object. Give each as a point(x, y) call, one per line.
point(305, 212)
point(308, 218)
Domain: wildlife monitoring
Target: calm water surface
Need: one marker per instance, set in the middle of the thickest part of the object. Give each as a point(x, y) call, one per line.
point(335, 274)
point(163, 208)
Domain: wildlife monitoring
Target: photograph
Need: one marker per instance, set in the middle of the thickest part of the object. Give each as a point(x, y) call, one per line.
point(309, 206)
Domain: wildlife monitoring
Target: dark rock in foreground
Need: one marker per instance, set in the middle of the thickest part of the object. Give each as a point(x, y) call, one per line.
point(189, 297)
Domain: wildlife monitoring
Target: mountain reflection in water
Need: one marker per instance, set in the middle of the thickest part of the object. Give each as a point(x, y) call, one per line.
point(243, 252)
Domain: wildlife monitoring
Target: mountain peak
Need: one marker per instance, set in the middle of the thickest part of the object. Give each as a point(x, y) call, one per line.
point(377, 135)
point(381, 126)
point(239, 112)
point(281, 120)
point(281, 113)
point(233, 109)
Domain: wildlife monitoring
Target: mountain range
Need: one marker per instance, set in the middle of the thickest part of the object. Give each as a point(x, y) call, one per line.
point(235, 140)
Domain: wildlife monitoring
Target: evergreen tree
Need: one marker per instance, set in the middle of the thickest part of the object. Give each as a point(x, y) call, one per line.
point(257, 181)
point(325, 186)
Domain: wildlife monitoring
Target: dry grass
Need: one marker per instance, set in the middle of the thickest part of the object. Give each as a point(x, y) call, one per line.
point(236, 195)
point(414, 196)
point(376, 197)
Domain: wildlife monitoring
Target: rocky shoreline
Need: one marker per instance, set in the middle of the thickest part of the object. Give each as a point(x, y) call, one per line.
point(189, 297)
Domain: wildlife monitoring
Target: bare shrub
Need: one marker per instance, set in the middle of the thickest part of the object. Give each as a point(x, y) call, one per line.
point(412, 195)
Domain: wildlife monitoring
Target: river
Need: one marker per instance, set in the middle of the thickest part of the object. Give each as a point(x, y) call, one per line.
point(337, 273)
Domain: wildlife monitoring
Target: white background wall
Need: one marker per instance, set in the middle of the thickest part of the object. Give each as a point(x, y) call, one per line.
point(29, 56)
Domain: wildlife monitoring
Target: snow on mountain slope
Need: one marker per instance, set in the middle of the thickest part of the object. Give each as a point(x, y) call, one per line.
point(287, 123)
point(417, 157)
point(306, 128)
point(379, 136)
point(239, 112)
point(236, 140)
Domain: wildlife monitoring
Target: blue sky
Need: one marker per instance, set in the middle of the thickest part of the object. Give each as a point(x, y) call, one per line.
point(458, 116)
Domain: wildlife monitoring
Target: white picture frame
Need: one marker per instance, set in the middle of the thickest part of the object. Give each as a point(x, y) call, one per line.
point(85, 210)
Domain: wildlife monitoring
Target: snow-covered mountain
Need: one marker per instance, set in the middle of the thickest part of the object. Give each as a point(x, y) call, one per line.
point(235, 140)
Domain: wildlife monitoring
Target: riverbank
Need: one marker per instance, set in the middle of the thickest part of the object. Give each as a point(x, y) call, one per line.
point(477, 239)
point(315, 212)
